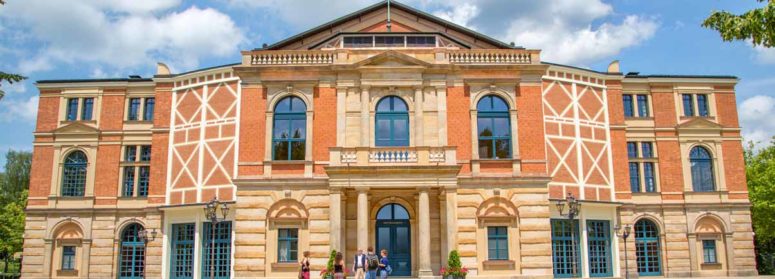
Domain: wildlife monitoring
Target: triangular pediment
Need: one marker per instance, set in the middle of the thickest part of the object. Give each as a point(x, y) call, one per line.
point(391, 58)
point(76, 128)
point(696, 123)
point(374, 19)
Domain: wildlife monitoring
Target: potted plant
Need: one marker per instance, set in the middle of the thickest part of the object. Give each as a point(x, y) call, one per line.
point(454, 269)
point(328, 272)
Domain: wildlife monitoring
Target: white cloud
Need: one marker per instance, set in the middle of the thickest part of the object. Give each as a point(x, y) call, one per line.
point(461, 15)
point(305, 13)
point(756, 119)
point(123, 34)
point(18, 110)
point(764, 55)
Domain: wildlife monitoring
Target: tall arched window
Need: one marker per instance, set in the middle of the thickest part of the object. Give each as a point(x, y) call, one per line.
point(647, 253)
point(74, 174)
point(132, 257)
point(392, 127)
point(494, 128)
point(289, 130)
point(702, 170)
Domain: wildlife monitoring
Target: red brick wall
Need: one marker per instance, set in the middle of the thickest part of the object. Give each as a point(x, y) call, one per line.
point(459, 124)
point(252, 129)
point(618, 140)
point(664, 108)
point(112, 110)
point(670, 169)
point(160, 144)
point(530, 115)
point(48, 111)
point(726, 108)
point(734, 168)
point(106, 175)
point(41, 171)
point(324, 124)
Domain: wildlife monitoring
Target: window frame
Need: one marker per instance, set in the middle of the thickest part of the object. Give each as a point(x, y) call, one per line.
point(565, 240)
point(290, 117)
point(136, 252)
point(649, 236)
point(81, 175)
point(133, 163)
point(709, 251)
point(291, 256)
point(500, 235)
point(393, 116)
point(643, 168)
point(68, 261)
point(702, 166)
point(223, 249)
point(184, 237)
point(148, 113)
point(492, 115)
point(599, 242)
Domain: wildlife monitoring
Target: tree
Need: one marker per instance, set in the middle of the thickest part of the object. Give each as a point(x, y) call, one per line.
point(14, 186)
point(760, 175)
point(757, 25)
point(10, 78)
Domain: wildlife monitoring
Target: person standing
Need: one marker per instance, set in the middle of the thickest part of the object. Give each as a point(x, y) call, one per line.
point(359, 265)
point(304, 272)
point(372, 264)
point(339, 266)
point(384, 265)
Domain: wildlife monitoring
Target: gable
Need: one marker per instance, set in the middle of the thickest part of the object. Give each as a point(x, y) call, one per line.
point(403, 18)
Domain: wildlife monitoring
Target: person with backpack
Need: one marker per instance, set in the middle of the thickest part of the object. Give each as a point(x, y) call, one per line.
point(384, 265)
point(372, 264)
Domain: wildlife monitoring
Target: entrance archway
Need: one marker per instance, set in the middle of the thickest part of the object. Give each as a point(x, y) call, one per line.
point(393, 234)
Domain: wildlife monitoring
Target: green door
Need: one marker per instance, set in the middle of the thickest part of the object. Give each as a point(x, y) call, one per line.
point(393, 235)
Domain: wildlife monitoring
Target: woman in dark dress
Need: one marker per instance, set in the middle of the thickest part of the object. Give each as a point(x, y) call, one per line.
point(339, 266)
point(305, 266)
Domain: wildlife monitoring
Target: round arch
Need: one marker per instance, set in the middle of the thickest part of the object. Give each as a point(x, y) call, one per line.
point(497, 207)
point(496, 92)
point(287, 208)
point(293, 93)
point(709, 223)
point(67, 227)
point(125, 223)
point(408, 102)
point(396, 200)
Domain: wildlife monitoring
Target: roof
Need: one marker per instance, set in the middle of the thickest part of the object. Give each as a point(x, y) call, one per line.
point(378, 6)
point(94, 80)
point(642, 76)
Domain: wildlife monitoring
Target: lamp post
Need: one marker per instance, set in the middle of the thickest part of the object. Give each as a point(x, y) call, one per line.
point(573, 210)
point(624, 234)
point(211, 213)
point(146, 237)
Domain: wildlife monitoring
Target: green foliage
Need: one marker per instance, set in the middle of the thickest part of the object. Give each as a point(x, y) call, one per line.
point(760, 176)
point(757, 25)
point(14, 186)
point(330, 265)
point(454, 260)
point(11, 78)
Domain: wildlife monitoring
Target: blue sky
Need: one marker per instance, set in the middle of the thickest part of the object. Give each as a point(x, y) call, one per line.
point(58, 39)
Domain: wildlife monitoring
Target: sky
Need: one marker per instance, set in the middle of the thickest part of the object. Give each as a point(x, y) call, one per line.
point(65, 39)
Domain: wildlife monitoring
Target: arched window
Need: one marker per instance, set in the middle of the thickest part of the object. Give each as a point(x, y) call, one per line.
point(647, 253)
point(702, 170)
point(494, 128)
point(74, 174)
point(392, 128)
point(289, 130)
point(392, 211)
point(132, 257)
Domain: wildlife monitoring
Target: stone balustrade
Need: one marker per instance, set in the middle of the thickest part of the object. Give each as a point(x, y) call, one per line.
point(491, 56)
point(290, 57)
point(419, 155)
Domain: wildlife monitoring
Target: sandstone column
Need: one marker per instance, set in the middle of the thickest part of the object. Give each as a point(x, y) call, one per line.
point(418, 117)
point(451, 229)
point(424, 220)
point(335, 208)
point(363, 218)
point(365, 115)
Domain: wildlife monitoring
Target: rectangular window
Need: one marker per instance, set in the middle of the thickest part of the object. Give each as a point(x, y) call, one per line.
point(497, 243)
point(688, 104)
point(643, 106)
point(389, 41)
point(632, 149)
point(87, 109)
point(565, 248)
point(702, 105)
point(143, 181)
point(287, 245)
point(145, 153)
point(130, 155)
point(634, 177)
point(129, 181)
point(182, 254)
point(72, 109)
point(358, 42)
point(648, 176)
point(628, 105)
point(646, 150)
point(134, 109)
point(219, 246)
point(709, 251)
point(599, 245)
point(150, 103)
point(420, 41)
point(68, 257)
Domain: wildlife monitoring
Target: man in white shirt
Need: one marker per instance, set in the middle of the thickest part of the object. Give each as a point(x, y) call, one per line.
point(359, 265)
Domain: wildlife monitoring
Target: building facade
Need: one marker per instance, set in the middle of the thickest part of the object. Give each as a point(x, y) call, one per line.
point(393, 129)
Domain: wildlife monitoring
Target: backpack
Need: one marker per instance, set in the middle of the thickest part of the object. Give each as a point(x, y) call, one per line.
point(373, 262)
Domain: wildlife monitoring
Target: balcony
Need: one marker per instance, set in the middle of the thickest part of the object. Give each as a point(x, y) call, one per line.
point(393, 156)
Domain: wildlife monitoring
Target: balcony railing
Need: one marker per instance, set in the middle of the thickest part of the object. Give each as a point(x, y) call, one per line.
point(291, 57)
point(420, 155)
point(491, 56)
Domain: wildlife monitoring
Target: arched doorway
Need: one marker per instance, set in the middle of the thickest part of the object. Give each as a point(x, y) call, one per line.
point(393, 234)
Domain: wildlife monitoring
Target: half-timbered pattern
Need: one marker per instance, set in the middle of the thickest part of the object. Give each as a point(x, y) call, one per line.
point(393, 129)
